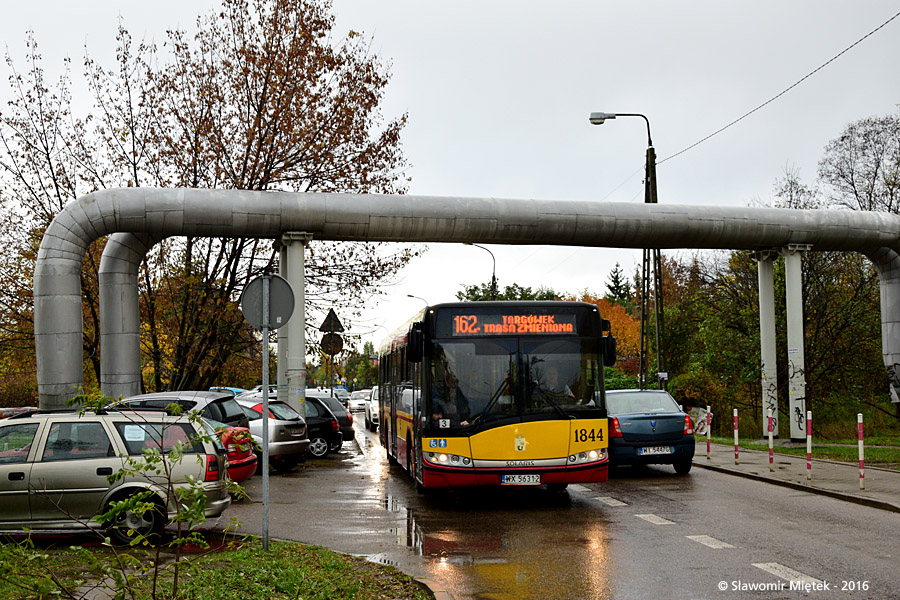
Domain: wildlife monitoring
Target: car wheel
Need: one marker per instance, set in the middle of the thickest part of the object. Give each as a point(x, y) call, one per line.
point(129, 525)
point(284, 464)
point(683, 467)
point(367, 422)
point(318, 447)
point(336, 445)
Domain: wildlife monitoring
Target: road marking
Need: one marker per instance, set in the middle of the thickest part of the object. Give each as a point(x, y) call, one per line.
point(786, 573)
point(578, 487)
point(709, 541)
point(611, 501)
point(656, 520)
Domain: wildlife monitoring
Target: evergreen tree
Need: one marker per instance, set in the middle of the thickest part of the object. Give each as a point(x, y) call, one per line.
point(617, 288)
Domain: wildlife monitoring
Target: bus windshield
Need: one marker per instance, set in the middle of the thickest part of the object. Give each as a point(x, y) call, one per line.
point(475, 381)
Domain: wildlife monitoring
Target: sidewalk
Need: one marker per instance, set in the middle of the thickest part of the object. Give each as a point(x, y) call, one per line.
point(839, 480)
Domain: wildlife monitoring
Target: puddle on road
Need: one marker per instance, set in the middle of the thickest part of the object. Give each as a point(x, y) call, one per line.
point(488, 543)
point(523, 550)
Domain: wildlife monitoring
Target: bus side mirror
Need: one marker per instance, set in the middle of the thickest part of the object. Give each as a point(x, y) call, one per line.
point(607, 344)
point(415, 343)
point(608, 348)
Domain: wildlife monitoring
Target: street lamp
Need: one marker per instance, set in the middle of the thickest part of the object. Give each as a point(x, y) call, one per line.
point(417, 298)
point(493, 272)
point(650, 197)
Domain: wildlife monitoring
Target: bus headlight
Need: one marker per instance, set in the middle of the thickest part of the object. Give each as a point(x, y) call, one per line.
point(591, 456)
point(448, 459)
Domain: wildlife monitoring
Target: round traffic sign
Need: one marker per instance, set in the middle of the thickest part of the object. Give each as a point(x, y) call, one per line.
point(332, 343)
point(281, 302)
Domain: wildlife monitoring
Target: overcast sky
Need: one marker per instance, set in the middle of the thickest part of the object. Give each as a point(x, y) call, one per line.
point(499, 93)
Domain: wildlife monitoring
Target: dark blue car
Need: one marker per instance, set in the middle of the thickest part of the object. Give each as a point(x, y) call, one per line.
point(648, 427)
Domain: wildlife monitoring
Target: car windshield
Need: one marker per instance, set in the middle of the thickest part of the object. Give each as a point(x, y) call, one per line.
point(251, 413)
point(475, 381)
point(636, 402)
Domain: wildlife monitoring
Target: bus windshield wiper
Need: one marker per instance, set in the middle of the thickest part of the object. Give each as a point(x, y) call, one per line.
point(482, 416)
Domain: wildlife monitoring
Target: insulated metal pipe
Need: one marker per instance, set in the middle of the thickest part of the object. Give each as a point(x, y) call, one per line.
point(408, 218)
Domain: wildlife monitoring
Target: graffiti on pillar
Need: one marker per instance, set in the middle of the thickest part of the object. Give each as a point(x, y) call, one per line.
point(794, 370)
point(770, 397)
point(795, 373)
point(798, 414)
point(893, 373)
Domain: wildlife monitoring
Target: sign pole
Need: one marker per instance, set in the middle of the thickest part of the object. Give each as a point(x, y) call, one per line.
point(267, 303)
point(265, 416)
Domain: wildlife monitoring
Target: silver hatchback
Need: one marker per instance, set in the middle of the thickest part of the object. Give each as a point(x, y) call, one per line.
point(54, 468)
point(288, 441)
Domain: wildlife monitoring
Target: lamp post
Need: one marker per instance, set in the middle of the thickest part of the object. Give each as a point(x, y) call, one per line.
point(493, 271)
point(650, 197)
point(417, 298)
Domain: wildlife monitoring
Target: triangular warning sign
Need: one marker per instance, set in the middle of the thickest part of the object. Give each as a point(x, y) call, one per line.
point(332, 323)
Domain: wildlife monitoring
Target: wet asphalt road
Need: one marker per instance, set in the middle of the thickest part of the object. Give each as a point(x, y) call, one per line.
point(644, 534)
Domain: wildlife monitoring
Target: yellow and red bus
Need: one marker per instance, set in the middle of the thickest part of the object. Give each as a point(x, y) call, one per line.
point(498, 393)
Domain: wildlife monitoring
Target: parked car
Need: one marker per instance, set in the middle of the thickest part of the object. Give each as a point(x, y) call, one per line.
point(342, 395)
point(273, 390)
point(648, 427)
point(224, 388)
point(371, 416)
point(323, 429)
point(324, 398)
point(218, 406)
point(357, 402)
point(54, 467)
point(288, 441)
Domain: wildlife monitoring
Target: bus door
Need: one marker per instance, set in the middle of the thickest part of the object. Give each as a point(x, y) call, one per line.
point(417, 418)
point(392, 419)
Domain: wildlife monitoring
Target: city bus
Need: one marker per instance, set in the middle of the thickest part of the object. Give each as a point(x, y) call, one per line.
point(497, 393)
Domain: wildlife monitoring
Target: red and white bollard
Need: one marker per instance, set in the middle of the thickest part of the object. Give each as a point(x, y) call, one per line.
point(708, 431)
point(809, 445)
point(736, 454)
point(771, 444)
point(862, 466)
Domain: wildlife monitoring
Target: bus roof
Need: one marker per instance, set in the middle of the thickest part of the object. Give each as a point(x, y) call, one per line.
point(398, 336)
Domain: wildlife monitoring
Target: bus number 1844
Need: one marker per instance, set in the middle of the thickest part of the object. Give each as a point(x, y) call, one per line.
point(585, 435)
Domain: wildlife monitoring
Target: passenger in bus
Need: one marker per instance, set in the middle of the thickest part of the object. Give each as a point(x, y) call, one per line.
point(437, 415)
point(449, 396)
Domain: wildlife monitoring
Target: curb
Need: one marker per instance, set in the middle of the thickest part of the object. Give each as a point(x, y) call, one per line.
point(439, 593)
point(871, 502)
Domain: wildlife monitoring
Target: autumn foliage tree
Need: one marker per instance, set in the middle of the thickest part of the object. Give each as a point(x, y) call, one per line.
point(624, 327)
point(263, 96)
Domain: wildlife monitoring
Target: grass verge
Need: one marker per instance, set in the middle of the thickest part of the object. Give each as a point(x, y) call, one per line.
point(238, 571)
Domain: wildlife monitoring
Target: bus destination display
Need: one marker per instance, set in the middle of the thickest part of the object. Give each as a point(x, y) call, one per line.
point(500, 324)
